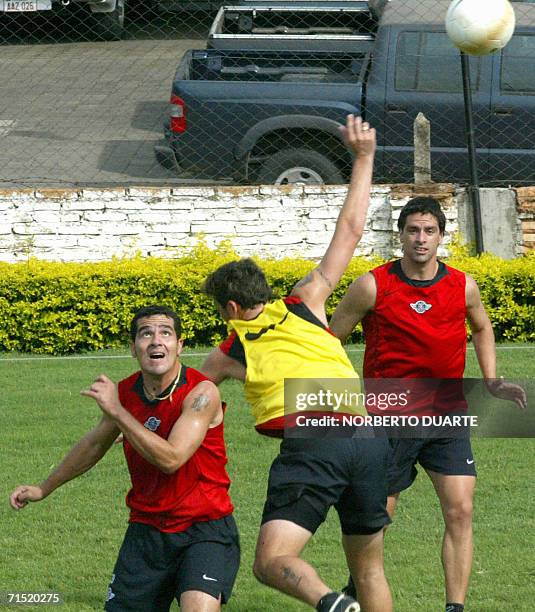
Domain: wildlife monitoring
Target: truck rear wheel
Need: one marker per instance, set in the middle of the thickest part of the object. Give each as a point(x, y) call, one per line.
point(299, 166)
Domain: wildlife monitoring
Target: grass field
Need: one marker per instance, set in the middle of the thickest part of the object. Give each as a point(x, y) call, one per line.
point(69, 542)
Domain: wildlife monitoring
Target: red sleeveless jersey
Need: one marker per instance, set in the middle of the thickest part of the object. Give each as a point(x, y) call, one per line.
point(196, 492)
point(417, 328)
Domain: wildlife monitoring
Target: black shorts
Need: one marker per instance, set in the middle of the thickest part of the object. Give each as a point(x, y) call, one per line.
point(154, 567)
point(448, 456)
point(311, 475)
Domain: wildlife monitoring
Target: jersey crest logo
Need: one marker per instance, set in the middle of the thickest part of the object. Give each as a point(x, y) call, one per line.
point(420, 306)
point(152, 423)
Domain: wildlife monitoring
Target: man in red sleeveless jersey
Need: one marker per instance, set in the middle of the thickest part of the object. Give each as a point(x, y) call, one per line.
point(182, 541)
point(413, 312)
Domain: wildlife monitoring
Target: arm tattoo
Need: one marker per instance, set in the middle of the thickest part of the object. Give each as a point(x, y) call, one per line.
point(199, 403)
point(310, 277)
point(305, 280)
point(289, 575)
point(325, 278)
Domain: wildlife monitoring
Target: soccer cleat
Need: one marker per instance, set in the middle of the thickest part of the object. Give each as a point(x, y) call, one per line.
point(350, 589)
point(337, 602)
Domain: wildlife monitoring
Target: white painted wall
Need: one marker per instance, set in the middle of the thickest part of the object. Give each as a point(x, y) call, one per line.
point(94, 225)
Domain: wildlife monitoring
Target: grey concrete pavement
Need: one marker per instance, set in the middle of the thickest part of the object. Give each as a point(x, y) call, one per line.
point(85, 113)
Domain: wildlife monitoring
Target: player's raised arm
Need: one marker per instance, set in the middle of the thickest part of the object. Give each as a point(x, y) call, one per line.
point(82, 457)
point(317, 286)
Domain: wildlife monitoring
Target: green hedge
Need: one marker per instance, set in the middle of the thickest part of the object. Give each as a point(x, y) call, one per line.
point(59, 308)
point(508, 291)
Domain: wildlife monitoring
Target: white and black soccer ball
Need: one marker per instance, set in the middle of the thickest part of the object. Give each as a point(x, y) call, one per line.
point(480, 27)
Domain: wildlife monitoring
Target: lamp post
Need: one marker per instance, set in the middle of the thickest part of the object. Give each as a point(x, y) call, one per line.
point(473, 187)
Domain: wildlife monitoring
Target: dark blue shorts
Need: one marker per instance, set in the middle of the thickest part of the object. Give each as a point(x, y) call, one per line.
point(448, 456)
point(154, 567)
point(311, 475)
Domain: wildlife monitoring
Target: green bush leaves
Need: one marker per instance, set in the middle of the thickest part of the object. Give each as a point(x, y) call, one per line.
point(60, 308)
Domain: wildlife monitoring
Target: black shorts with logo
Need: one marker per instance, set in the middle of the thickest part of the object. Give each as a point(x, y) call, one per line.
point(311, 475)
point(448, 456)
point(155, 567)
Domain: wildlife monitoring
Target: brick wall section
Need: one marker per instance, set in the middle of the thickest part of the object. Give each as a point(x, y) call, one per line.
point(95, 225)
point(526, 213)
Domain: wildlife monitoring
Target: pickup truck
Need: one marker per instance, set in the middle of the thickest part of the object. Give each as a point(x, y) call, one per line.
point(262, 116)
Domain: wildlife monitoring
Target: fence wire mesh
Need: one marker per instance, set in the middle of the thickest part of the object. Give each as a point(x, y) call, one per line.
point(138, 92)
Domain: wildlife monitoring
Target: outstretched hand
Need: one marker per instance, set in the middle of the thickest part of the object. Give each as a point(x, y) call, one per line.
point(24, 494)
point(104, 392)
point(359, 136)
point(508, 391)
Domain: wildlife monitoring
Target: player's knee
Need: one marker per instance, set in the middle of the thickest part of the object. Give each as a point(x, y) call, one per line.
point(369, 575)
point(260, 566)
point(459, 514)
point(369, 568)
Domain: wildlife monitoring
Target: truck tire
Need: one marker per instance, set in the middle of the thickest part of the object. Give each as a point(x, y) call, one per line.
point(294, 166)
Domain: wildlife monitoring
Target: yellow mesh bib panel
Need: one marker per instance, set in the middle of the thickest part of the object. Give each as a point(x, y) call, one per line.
point(279, 344)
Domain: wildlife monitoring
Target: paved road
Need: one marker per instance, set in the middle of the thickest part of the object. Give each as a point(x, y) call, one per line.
point(88, 113)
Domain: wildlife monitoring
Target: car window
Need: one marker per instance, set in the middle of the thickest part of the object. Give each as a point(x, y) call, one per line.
point(518, 66)
point(428, 61)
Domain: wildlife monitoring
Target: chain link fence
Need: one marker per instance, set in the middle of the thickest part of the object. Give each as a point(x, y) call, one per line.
point(164, 92)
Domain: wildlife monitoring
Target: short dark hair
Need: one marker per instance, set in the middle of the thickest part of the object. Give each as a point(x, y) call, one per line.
point(241, 281)
point(423, 205)
point(150, 311)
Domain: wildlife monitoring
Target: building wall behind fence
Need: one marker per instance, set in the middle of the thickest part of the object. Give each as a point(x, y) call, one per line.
point(95, 225)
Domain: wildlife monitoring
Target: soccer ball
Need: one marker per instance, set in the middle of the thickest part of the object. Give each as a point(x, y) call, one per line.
point(479, 27)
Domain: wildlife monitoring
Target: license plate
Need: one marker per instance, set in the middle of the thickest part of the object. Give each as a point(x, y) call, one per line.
point(26, 6)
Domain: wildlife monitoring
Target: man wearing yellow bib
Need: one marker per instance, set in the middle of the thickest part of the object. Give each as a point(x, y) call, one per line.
point(289, 339)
